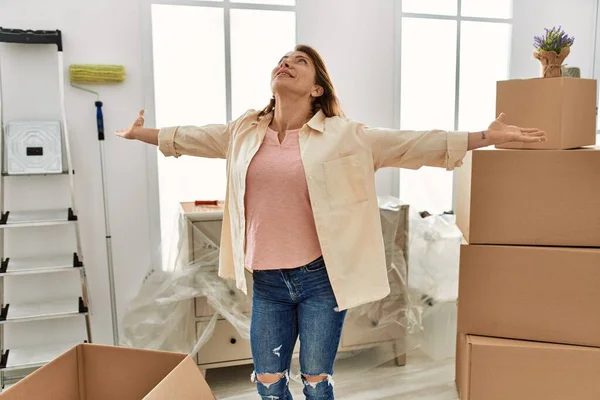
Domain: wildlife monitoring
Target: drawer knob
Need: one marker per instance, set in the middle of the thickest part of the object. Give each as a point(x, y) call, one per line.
point(233, 341)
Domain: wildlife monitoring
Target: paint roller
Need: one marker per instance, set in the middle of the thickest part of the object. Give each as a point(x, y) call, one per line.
point(95, 74)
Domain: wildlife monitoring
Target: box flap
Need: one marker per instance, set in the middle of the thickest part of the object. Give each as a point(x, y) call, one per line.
point(463, 360)
point(185, 382)
point(503, 369)
point(483, 341)
point(55, 380)
point(124, 373)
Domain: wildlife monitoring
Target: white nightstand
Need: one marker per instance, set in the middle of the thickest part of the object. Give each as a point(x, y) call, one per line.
point(362, 330)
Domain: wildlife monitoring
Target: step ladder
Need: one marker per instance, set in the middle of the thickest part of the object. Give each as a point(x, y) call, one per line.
point(23, 359)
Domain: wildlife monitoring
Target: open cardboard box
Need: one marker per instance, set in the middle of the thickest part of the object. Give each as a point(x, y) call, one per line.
point(97, 372)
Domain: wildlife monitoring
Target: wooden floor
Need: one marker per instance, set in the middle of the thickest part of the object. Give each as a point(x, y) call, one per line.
point(420, 379)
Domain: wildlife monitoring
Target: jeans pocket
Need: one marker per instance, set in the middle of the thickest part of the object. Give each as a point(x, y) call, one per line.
point(315, 266)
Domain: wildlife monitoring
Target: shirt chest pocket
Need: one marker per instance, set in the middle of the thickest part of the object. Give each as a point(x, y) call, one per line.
point(346, 180)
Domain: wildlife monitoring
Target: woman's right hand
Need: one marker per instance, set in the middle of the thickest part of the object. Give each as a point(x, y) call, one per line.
point(128, 133)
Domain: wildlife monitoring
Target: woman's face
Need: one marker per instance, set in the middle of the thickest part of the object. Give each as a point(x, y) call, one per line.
point(295, 74)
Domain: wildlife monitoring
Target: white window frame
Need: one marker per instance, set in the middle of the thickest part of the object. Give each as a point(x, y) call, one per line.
point(398, 62)
point(152, 189)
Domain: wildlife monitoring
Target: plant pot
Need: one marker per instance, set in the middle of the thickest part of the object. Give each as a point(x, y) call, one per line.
point(552, 62)
point(571, 72)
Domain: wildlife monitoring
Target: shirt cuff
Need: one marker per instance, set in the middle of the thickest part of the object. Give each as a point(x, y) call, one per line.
point(166, 141)
point(458, 143)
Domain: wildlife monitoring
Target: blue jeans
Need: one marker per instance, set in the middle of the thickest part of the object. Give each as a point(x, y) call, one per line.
point(288, 304)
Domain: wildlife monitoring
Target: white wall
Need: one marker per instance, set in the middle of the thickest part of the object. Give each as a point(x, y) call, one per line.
point(106, 31)
point(530, 17)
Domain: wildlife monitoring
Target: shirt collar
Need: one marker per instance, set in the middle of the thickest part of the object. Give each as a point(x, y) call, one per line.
point(317, 122)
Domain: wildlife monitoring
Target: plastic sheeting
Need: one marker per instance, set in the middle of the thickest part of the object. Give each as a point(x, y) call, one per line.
point(434, 253)
point(162, 315)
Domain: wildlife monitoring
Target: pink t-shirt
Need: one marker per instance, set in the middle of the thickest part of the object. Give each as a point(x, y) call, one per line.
point(280, 227)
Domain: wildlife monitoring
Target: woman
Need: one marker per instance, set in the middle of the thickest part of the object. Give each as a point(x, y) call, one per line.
point(301, 211)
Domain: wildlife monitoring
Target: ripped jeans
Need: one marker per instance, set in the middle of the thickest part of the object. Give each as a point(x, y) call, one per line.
point(288, 304)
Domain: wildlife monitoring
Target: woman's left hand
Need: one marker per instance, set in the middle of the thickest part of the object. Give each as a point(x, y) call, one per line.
point(500, 132)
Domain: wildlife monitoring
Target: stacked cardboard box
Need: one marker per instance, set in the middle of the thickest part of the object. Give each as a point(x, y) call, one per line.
point(529, 287)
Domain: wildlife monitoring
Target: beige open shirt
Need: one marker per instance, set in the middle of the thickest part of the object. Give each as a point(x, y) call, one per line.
point(340, 158)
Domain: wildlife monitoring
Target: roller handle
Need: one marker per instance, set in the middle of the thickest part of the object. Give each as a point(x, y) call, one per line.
point(99, 120)
point(28, 36)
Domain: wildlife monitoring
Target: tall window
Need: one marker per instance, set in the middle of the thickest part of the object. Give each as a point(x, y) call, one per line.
point(452, 53)
point(212, 61)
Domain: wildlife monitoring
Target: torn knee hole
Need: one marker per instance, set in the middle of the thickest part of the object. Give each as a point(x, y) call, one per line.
point(315, 379)
point(269, 378)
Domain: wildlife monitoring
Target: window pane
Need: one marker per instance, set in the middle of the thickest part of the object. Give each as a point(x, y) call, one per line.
point(438, 7)
point(188, 90)
point(184, 38)
point(489, 9)
point(427, 189)
point(428, 77)
point(480, 69)
point(252, 60)
point(428, 80)
point(269, 2)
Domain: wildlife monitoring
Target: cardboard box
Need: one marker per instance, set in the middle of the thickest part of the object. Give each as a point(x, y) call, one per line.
point(95, 372)
point(529, 197)
point(498, 369)
point(563, 107)
point(530, 293)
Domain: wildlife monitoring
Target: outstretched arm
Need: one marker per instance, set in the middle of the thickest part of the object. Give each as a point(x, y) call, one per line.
point(436, 148)
point(209, 141)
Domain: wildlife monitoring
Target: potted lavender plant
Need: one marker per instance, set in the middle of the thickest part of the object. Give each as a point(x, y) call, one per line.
point(551, 50)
